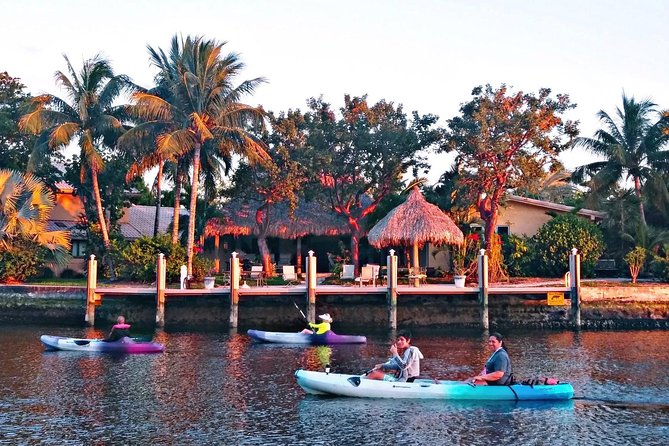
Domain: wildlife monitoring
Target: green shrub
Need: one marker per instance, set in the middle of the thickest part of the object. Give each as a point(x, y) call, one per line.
point(554, 241)
point(137, 260)
point(659, 266)
point(21, 260)
point(635, 260)
point(517, 256)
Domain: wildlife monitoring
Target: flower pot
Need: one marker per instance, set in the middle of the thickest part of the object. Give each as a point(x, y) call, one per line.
point(459, 281)
point(209, 282)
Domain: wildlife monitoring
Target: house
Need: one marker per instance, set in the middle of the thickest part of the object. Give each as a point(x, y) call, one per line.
point(524, 216)
point(69, 214)
point(520, 216)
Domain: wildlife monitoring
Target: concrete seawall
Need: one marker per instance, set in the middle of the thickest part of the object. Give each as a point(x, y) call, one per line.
point(602, 307)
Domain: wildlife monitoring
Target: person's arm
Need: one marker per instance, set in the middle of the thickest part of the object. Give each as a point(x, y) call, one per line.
point(403, 363)
point(499, 365)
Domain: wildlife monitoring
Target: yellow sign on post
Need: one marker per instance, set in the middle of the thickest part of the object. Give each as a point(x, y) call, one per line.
point(555, 298)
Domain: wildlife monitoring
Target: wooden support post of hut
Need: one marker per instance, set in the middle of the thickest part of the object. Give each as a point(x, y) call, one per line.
point(234, 290)
point(311, 287)
point(391, 265)
point(483, 288)
point(161, 272)
point(91, 284)
point(575, 281)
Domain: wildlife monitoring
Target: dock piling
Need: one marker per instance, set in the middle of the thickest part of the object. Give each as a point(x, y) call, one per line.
point(234, 290)
point(483, 288)
point(311, 287)
point(161, 270)
point(391, 265)
point(91, 284)
point(575, 281)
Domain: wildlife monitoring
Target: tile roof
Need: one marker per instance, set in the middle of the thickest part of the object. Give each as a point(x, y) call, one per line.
point(138, 220)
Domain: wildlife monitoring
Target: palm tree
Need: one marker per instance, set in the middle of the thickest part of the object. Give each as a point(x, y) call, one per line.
point(633, 148)
point(25, 205)
point(89, 117)
point(202, 108)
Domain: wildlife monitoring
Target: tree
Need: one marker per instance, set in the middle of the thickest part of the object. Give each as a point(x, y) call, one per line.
point(201, 109)
point(269, 183)
point(90, 117)
point(25, 205)
point(357, 160)
point(633, 148)
point(505, 140)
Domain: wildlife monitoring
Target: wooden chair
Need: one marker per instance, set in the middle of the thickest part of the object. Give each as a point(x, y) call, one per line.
point(366, 275)
point(258, 275)
point(289, 275)
point(347, 272)
point(376, 269)
point(417, 273)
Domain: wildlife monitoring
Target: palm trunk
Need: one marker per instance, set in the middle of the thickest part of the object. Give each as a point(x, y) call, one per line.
point(637, 190)
point(159, 182)
point(103, 223)
point(177, 205)
point(193, 207)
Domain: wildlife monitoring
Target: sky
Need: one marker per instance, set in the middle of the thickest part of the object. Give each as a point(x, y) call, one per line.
point(426, 55)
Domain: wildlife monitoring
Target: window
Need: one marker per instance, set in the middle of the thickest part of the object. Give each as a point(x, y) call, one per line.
point(78, 248)
point(503, 230)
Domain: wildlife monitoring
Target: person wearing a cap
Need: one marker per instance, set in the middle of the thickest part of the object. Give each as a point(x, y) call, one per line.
point(404, 362)
point(321, 328)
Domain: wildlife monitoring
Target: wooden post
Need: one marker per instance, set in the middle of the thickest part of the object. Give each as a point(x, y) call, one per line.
point(311, 287)
point(161, 270)
point(391, 265)
point(416, 266)
point(91, 284)
point(575, 279)
point(234, 290)
point(483, 288)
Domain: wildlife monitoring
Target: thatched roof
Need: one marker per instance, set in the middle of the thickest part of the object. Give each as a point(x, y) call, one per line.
point(415, 221)
point(309, 218)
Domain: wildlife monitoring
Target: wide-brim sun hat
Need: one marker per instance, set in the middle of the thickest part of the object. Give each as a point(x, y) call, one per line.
point(325, 317)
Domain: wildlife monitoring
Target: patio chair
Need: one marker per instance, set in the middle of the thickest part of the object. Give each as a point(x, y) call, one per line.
point(366, 275)
point(288, 274)
point(347, 272)
point(377, 269)
point(258, 275)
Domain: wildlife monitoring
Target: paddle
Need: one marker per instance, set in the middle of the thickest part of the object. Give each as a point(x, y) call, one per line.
point(355, 380)
point(298, 309)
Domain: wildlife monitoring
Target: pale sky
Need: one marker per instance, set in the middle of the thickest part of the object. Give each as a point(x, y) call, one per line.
point(426, 55)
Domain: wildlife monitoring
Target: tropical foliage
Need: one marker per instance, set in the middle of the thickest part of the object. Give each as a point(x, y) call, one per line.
point(503, 141)
point(633, 145)
point(635, 260)
point(200, 117)
point(555, 240)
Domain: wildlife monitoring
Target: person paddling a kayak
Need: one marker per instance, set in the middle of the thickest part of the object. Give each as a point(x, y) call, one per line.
point(497, 370)
point(404, 362)
point(118, 331)
point(321, 328)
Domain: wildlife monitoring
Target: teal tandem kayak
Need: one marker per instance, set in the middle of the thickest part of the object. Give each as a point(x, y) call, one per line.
point(320, 383)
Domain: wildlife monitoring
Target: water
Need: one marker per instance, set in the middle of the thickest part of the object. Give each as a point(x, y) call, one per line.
point(219, 388)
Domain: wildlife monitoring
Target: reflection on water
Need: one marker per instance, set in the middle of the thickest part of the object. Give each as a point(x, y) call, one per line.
point(221, 388)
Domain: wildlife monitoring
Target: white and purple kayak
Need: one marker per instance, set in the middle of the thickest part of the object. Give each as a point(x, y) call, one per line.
point(307, 339)
point(123, 345)
point(320, 383)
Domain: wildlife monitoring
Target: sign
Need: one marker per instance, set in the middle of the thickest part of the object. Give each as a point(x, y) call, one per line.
point(555, 298)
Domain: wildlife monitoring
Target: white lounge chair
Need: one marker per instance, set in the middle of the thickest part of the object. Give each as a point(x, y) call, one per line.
point(377, 269)
point(347, 272)
point(288, 274)
point(258, 275)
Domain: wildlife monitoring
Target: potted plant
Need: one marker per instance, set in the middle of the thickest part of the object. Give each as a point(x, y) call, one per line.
point(463, 259)
point(210, 279)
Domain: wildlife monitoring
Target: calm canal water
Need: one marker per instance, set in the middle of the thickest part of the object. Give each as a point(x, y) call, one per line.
point(220, 388)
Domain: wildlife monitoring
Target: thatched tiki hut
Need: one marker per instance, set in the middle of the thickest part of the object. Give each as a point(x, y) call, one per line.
point(414, 223)
point(252, 217)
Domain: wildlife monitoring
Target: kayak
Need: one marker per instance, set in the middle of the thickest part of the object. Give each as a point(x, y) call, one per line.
point(123, 345)
point(301, 338)
point(320, 383)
